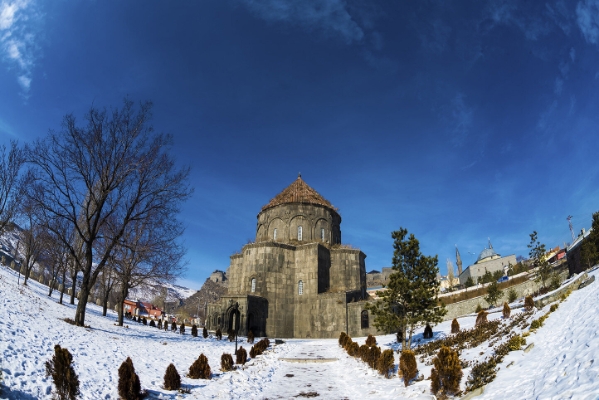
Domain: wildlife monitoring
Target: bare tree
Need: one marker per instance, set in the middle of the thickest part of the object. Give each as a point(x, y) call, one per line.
point(32, 238)
point(57, 257)
point(99, 179)
point(107, 282)
point(11, 185)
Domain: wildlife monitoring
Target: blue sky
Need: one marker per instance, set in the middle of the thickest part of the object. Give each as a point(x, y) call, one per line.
point(459, 121)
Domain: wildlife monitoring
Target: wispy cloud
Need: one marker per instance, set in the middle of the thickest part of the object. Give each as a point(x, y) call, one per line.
point(462, 116)
point(18, 47)
point(331, 17)
point(587, 17)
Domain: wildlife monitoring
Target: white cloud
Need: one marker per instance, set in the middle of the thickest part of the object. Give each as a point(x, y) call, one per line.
point(587, 13)
point(559, 85)
point(17, 39)
point(330, 17)
point(462, 116)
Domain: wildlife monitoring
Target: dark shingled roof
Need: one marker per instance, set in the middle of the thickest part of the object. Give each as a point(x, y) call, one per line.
point(299, 192)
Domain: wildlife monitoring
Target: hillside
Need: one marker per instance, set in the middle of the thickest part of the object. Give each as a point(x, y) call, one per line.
point(209, 293)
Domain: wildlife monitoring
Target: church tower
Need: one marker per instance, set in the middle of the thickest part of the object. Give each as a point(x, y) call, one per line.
point(458, 260)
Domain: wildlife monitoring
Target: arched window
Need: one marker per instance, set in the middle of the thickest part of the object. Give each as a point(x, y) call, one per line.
point(300, 288)
point(253, 285)
point(322, 234)
point(364, 319)
point(274, 234)
point(299, 232)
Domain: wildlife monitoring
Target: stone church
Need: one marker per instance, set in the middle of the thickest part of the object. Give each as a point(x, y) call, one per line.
point(297, 280)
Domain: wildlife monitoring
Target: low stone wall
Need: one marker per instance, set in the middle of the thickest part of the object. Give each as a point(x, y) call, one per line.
point(556, 294)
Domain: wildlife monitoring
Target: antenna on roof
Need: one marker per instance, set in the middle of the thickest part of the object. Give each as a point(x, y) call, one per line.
point(299, 174)
point(490, 245)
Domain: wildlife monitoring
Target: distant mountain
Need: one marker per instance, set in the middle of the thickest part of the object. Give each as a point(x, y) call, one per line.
point(209, 293)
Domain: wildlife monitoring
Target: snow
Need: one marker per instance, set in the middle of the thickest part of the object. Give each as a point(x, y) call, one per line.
point(561, 364)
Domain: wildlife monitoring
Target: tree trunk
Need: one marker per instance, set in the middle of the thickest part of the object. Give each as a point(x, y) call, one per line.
point(64, 276)
point(73, 288)
point(51, 285)
point(122, 297)
point(27, 270)
point(105, 303)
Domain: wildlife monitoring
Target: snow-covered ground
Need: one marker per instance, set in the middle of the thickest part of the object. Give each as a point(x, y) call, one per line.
point(561, 364)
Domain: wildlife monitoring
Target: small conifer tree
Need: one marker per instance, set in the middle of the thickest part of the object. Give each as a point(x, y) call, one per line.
point(62, 373)
point(481, 318)
point(385, 363)
point(373, 357)
point(529, 303)
point(182, 329)
point(241, 356)
point(129, 385)
point(447, 372)
point(407, 366)
point(194, 330)
point(512, 295)
point(226, 362)
point(172, 379)
point(364, 352)
point(159, 324)
point(165, 325)
point(253, 352)
point(455, 326)
point(353, 349)
point(152, 323)
point(479, 308)
point(250, 336)
point(205, 333)
point(219, 334)
point(200, 369)
point(174, 326)
point(370, 341)
point(506, 310)
point(428, 332)
point(144, 321)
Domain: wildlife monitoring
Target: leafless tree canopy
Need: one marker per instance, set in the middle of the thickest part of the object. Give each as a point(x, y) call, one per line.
point(11, 163)
point(95, 181)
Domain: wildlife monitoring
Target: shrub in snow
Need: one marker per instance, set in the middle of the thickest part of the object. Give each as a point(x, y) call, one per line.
point(481, 318)
point(529, 303)
point(373, 357)
point(364, 352)
point(219, 334)
point(129, 385)
point(446, 373)
point(348, 342)
point(370, 341)
point(226, 362)
point(172, 379)
point(200, 368)
point(231, 335)
point(133, 319)
point(428, 332)
point(182, 329)
point(479, 308)
point(253, 352)
point(205, 333)
point(385, 363)
point(399, 336)
point(152, 323)
point(407, 366)
point(481, 374)
point(144, 321)
point(241, 356)
point(165, 326)
point(342, 337)
point(553, 307)
point(174, 326)
point(516, 342)
point(62, 373)
point(506, 310)
point(455, 326)
point(353, 349)
point(159, 324)
point(194, 330)
point(512, 295)
point(250, 336)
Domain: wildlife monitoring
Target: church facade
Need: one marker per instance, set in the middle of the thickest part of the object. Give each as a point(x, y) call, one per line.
point(297, 279)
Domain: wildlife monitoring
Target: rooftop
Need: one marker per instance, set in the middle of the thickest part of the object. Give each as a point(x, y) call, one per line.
point(299, 192)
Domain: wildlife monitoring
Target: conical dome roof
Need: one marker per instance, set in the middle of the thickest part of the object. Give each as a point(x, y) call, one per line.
point(299, 192)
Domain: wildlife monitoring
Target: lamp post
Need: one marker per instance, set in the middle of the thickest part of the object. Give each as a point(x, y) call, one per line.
point(236, 313)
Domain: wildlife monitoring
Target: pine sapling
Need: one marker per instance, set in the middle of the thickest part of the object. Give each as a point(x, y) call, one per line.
point(506, 310)
point(407, 366)
point(241, 356)
point(447, 372)
point(455, 326)
point(370, 341)
point(129, 385)
point(205, 333)
point(529, 303)
point(226, 362)
point(200, 369)
point(385, 363)
point(62, 373)
point(172, 379)
point(481, 318)
point(428, 332)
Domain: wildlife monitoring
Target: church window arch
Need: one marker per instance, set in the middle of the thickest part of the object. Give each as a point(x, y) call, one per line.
point(274, 234)
point(322, 234)
point(253, 285)
point(364, 319)
point(300, 288)
point(299, 232)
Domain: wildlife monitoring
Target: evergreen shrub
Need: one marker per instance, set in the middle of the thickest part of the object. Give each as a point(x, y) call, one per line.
point(479, 308)
point(353, 349)
point(194, 330)
point(205, 333)
point(241, 356)
point(373, 356)
point(342, 338)
point(428, 332)
point(144, 321)
point(529, 303)
point(553, 307)
point(250, 336)
point(172, 379)
point(200, 369)
point(512, 295)
point(386, 363)
point(455, 326)
point(159, 324)
point(481, 318)
point(226, 362)
point(63, 375)
point(174, 327)
point(364, 352)
point(129, 385)
point(506, 310)
point(516, 342)
point(407, 366)
point(219, 334)
point(182, 329)
point(370, 341)
point(152, 323)
point(446, 373)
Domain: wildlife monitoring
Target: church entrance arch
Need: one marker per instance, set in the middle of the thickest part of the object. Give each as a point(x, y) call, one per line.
point(233, 316)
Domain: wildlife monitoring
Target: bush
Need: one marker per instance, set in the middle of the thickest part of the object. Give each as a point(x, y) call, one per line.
point(407, 366)
point(231, 336)
point(173, 326)
point(63, 375)
point(370, 341)
point(536, 324)
point(129, 386)
point(481, 318)
point(205, 333)
point(373, 357)
point(529, 303)
point(165, 326)
point(250, 336)
point(152, 323)
point(144, 321)
point(159, 324)
point(428, 332)
point(342, 338)
point(455, 326)
point(253, 352)
point(182, 329)
point(241, 356)
point(364, 352)
point(219, 334)
point(553, 307)
point(194, 330)
point(385, 363)
point(172, 379)
point(399, 336)
point(226, 362)
point(506, 310)
point(353, 349)
point(479, 308)
point(200, 369)
point(512, 295)
point(482, 373)
point(515, 343)
point(446, 373)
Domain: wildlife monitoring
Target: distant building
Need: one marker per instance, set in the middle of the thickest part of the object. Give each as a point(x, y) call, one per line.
point(488, 261)
point(218, 276)
point(575, 264)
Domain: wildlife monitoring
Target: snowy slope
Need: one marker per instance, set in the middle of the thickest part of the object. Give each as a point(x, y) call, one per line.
point(561, 365)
